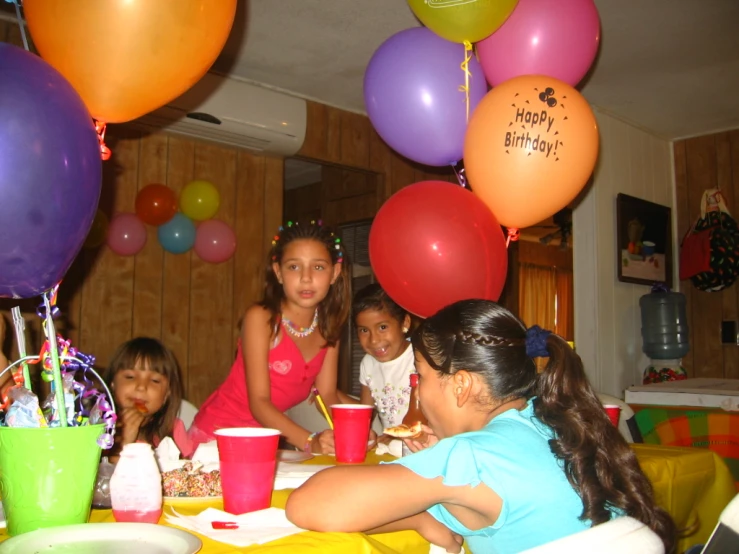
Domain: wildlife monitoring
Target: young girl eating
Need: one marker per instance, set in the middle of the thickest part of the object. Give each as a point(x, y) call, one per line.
point(384, 373)
point(516, 459)
point(144, 377)
point(289, 342)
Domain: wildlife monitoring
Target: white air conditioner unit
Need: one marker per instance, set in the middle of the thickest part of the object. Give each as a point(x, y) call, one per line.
point(226, 110)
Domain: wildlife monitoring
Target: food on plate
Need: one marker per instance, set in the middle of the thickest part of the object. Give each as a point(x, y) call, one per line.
point(191, 481)
point(404, 432)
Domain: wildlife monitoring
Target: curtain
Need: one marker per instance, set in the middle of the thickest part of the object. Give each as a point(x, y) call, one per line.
point(537, 295)
point(565, 322)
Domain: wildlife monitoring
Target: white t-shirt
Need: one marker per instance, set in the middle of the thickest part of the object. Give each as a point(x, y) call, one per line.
point(390, 385)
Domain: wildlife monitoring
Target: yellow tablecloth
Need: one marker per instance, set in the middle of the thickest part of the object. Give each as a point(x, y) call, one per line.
point(694, 485)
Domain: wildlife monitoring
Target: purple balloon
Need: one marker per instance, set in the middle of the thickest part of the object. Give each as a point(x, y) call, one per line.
point(50, 174)
point(413, 98)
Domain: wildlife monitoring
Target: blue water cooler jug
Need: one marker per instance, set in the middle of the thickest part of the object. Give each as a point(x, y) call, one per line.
point(664, 330)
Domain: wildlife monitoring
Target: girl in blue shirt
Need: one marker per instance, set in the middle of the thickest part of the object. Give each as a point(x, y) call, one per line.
point(515, 459)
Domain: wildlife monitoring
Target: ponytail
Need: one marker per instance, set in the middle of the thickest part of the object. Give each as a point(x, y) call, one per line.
point(598, 462)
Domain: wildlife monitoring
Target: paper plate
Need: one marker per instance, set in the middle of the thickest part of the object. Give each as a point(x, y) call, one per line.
point(179, 500)
point(293, 456)
point(108, 538)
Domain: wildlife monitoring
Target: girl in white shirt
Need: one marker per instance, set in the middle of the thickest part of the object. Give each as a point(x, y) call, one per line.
point(382, 327)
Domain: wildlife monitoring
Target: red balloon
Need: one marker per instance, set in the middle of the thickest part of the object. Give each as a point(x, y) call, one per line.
point(156, 204)
point(434, 243)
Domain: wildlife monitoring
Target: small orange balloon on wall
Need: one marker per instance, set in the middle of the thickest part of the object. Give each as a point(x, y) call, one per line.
point(530, 148)
point(126, 58)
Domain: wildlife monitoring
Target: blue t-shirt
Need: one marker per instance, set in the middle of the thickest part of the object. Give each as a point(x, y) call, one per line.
point(511, 455)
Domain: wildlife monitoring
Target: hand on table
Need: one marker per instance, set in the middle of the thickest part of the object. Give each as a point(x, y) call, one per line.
point(428, 439)
point(323, 443)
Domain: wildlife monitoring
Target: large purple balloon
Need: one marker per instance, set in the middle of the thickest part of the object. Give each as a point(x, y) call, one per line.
point(50, 174)
point(559, 39)
point(413, 98)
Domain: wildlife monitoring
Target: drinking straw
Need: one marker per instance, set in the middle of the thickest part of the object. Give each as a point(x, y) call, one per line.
point(55, 366)
point(20, 336)
point(323, 408)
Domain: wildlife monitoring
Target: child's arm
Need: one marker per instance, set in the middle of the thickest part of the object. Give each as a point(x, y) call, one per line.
point(256, 336)
point(365, 396)
point(384, 498)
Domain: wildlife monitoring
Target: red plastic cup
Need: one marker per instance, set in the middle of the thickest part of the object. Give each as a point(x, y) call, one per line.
point(248, 457)
point(351, 431)
point(614, 413)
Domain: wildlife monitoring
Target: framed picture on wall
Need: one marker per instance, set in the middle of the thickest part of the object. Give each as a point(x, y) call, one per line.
point(644, 241)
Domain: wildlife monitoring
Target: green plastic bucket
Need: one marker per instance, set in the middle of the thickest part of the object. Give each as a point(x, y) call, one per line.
point(47, 476)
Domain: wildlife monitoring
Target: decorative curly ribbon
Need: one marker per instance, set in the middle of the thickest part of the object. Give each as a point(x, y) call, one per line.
point(100, 127)
point(104, 404)
point(513, 235)
point(460, 176)
point(465, 66)
point(53, 295)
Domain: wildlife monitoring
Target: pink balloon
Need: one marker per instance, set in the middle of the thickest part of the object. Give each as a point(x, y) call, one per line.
point(543, 37)
point(215, 241)
point(126, 234)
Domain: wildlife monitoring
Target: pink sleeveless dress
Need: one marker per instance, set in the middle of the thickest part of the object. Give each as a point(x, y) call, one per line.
point(291, 380)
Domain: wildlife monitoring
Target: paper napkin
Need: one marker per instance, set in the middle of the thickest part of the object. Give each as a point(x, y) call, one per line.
point(394, 448)
point(291, 476)
point(253, 528)
point(168, 456)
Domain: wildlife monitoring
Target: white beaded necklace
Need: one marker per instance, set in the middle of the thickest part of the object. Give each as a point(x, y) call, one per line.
point(298, 331)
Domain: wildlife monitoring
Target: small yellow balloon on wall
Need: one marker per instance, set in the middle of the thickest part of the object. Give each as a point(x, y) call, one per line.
point(200, 200)
point(463, 20)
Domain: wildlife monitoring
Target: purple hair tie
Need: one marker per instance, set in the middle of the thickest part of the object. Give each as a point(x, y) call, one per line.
point(536, 342)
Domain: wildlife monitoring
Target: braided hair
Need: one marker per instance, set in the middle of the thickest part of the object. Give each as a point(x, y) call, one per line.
point(482, 337)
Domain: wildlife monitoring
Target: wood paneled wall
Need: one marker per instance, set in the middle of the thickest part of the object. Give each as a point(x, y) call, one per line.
point(342, 196)
point(192, 306)
point(701, 163)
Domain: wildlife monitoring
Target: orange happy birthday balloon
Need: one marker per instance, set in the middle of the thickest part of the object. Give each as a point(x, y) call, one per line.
point(530, 147)
point(126, 58)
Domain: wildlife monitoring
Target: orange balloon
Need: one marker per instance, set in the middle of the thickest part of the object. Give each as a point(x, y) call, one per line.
point(530, 147)
point(156, 204)
point(128, 57)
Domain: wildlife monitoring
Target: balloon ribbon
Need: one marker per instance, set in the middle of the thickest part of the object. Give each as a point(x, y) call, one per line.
point(104, 150)
point(513, 236)
point(465, 66)
point(460, 176)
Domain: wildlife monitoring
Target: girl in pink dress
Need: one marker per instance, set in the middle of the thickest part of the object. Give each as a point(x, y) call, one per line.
point(289, 342)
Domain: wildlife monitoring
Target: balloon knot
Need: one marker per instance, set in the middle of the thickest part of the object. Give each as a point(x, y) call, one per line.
point(513, 236)
point(105, 152)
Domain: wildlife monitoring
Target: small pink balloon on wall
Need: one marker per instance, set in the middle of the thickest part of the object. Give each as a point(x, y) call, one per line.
point(557, 38)
point(215, 241)
point(126, 234)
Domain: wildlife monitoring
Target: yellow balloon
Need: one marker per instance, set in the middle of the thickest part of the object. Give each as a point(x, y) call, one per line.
point(463, 20)
point(126, 58)
point(199, 200)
